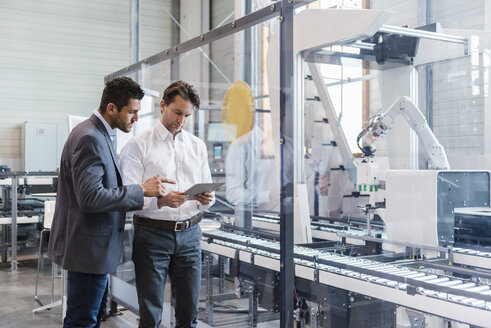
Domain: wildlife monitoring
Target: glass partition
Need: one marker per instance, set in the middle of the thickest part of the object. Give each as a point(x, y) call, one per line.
point(235, 123)
point(378, 160)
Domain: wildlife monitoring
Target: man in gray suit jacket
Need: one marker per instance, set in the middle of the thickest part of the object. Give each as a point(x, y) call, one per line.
point(87, 231)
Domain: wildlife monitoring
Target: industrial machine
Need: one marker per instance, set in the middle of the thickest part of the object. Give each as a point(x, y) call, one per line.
point(381, 124)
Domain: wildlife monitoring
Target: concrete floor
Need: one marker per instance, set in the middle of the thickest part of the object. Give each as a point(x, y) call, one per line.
point(17, 302)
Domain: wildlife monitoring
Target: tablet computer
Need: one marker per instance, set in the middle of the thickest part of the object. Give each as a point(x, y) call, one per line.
point(202, 187)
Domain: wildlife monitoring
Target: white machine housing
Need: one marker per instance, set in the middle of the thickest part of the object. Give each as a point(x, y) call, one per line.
point(420, 204)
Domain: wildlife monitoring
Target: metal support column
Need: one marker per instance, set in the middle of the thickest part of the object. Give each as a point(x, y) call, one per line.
point(253, 306)
point(135, 30)
point(221, 270)
point(287, 178)
point(13, 250)
point(176, 13)
point(174, 68)
point(313, 316)
point(209, 288)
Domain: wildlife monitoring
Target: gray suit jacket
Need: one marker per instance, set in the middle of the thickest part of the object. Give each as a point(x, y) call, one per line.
point(91, 203)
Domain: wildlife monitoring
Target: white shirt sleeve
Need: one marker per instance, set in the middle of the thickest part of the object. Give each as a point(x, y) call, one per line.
point(131, 164)
point(236, 172)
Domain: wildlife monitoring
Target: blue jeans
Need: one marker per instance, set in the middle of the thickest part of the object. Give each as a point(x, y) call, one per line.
point(157, 253)
point(85, 292)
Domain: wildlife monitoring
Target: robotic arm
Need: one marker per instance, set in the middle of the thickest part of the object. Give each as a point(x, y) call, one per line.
point(382, 123)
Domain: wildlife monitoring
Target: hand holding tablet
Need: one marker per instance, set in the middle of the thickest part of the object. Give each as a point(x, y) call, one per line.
point(201, 188)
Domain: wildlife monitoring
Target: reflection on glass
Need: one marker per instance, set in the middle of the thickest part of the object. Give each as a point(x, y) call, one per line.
point(251, 177)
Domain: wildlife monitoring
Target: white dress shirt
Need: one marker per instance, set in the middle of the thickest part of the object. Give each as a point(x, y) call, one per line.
point(110, 131)
point(183, 160)
point(251, 178)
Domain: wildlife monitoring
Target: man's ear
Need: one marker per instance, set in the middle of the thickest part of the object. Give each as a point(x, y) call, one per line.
point(162, 106)
point(111, 109)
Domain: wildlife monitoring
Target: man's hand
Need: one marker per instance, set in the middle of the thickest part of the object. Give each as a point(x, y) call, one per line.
point(154, 187)
point(204, 198)
point(173, 199)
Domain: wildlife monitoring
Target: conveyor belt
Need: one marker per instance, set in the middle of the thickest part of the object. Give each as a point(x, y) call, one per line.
point(326, 231)
point(472, 257)
point(444, 296)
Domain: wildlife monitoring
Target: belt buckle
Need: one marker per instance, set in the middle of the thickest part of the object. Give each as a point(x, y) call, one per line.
point(180, 226)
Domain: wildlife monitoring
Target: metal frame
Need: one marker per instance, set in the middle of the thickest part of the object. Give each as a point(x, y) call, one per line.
point(238, 25)
point(423, 34)
point(287, 115)
point(14, 176)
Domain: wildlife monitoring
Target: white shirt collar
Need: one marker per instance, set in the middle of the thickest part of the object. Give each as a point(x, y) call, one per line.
point(164, 133)
point(110, 131)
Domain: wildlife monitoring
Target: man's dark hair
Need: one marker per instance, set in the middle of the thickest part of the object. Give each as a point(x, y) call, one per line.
point(119, 91)
point(183, 89)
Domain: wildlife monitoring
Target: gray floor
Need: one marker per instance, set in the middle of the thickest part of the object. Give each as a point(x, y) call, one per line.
point(17, 299)
point(17, 302)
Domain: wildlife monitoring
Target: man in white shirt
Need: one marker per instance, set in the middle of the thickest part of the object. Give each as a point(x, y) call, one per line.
point(167, 235)
point(249, 189)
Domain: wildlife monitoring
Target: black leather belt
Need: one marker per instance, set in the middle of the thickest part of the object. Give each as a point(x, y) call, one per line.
point(168, 225)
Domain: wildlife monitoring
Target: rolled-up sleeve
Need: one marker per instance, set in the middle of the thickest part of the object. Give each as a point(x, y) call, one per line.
point(131, 164)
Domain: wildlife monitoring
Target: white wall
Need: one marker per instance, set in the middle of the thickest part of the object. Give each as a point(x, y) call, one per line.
point(54, 55)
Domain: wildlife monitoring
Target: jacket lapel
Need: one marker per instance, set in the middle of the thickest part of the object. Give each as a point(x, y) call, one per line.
point(97, 122)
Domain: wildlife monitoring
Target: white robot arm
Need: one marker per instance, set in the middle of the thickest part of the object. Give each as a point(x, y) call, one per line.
point(381, 124)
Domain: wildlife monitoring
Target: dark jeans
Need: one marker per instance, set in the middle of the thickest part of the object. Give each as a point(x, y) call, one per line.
point(157, 253)
point(85, 292)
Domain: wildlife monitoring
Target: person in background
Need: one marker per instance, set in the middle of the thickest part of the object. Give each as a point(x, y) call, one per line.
point(167, 235)
point(91, 203)
point(251, 175)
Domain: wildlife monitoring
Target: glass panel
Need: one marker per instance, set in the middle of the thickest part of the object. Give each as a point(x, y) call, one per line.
point(152, 78)
point(158, 30)
point(234, 121)
point(456, 93)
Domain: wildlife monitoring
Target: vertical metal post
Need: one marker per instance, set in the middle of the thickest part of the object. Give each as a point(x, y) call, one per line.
point(135, 30)
point(209, 289)
point(176, 13)
point(221, 268)
point(429, 95)
point(174, 69)
point(287, 179)
point(413, 137)
point(247, 49)
point(13, 250)
point(313, 316)
point(5, 238)
point(429, 72)
point(429, 11)
point(253, 306)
